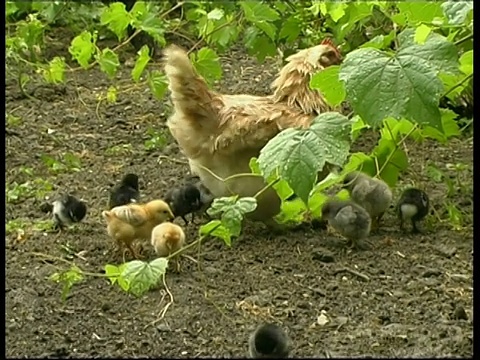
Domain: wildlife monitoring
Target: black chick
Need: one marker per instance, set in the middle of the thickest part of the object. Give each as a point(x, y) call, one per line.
point(184, 200)
point(68, 210)
point(413, 205)
point(125, 192)
point(268, 341)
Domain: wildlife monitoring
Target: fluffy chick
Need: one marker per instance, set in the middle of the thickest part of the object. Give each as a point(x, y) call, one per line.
point(349, 219)
point(66, 210)
point(268, 341)
point(125, 192)
point(168, 238)
point(127, 223)
point(190, 198)
point(413, 205)
point(372, 194)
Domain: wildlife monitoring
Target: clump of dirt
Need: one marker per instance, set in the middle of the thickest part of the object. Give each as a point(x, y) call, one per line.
point(409, 296)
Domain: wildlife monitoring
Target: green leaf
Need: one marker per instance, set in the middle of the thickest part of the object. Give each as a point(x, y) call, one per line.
point(290, 30)
point(117, 19)
point(56, 70)
point(292, 211)
point(141, 62)
point(256, 12)
point(449, 124)
point(232, 211)
point(82, 48)
point(437, 50)
point(260, 46)
point(215, 228)
point(298, 154)
point(226, 32)
point(420, 11)
point(357, 127)
point(336, 10)
point(207, 64)
point(380, 41)
point(315, 203)
point(142, 276)
point(112, 94)
point(406, 85)
point(112, 272)
point(457, 11)
point(157, 81)
point(108, 61)
point(421, 33)
point(466, 62)
point(216, 14)
point(328, 83)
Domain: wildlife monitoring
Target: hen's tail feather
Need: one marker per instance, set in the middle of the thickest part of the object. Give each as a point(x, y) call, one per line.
point(189, 91)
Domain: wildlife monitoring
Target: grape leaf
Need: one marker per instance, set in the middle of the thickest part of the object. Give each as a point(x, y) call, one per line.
point(298, 154)
point(207, 64)
point(157, 81)
point(232, 210)
point(56, 70)
point(380, 41)
point(154, 27)
point(290, 30)
point(141, 62)
point(108, 61)
point(437, 50)
point(216, 14)
point(117, 19)
point(216, 228)
point(262, 16)
point(328, 83)
point(291, 211)
point(421, 33)
point(466, 62)
point(450, 127)
point(336, 10)
point(403, 85)
point(141, 276)
point(256, 12)
point(420, 11)
point(261, 47)
point(457, 11)
point(226, 32)
point(114, 272)
point(82, 48)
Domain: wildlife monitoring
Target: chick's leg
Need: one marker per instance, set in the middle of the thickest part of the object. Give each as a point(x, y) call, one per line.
point(134, 253)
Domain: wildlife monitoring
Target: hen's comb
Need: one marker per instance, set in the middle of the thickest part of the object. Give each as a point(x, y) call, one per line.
point(329, 42)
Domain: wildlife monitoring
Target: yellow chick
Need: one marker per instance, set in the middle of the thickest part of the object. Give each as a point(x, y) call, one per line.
point(127, 223)
point(168, 238)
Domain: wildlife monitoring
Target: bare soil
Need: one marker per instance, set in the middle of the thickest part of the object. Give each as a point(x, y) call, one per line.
point(405, 300)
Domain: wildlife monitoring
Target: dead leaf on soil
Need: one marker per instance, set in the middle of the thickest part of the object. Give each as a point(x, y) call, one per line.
point(254, 310)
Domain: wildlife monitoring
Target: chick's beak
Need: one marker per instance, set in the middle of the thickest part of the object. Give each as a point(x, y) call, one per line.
point(170, 213)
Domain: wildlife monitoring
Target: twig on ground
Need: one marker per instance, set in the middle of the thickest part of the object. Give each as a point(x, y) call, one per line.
point(353, 272)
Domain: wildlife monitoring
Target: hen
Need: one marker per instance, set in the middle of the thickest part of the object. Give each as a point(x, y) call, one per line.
point(220, 133)
point(135, 221)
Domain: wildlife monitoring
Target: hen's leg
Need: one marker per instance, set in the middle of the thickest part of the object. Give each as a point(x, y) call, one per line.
point(184, 219)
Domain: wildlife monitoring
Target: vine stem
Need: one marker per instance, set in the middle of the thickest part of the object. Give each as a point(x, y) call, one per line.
point(397, 145)
point(460, 83)
point(237, 17)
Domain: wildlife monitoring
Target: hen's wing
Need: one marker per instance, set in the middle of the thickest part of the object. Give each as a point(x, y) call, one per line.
point(249, 122)
point(132, 214)
point(347, 216)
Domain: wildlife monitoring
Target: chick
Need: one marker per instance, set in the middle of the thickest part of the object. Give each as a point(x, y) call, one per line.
point(372, 194)
point(268, 341)
point(168, 238)
point(349, 219)
point(413, 205)
point(125, 192)
point(66, 210)
point(189, 198)
point(127, 223)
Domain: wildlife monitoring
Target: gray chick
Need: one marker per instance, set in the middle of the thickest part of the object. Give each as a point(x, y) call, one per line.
point(413, 205)
point(348, 218)
point(372, 194)
point(268, 341)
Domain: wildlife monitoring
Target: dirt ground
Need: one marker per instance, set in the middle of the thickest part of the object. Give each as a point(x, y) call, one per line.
point(406, 299)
